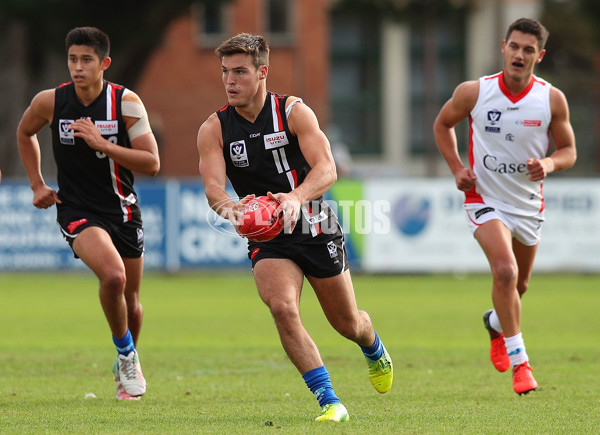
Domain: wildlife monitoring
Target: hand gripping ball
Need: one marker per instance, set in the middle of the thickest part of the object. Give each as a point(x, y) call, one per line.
point(259, 222)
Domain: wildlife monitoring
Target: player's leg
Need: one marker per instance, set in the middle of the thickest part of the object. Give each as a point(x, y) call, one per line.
point(523, 380)
point(95, 248)
point(134, 268)
point(279, 282)
point(496, 241)
point(338, 301)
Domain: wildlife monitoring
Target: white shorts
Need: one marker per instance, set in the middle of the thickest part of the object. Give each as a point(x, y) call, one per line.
point(526, 229)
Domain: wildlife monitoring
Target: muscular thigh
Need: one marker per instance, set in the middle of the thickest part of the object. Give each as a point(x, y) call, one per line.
point(278, 280)
point(96, 249)
point(336, 295)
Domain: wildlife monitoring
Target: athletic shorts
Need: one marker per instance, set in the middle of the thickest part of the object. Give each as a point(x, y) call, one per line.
point(322, 256)
point(526, 229)
point(128, 237)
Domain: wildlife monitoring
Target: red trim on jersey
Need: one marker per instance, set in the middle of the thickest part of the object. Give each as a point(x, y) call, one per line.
point(542, 195)
point(472, 196)
point(515, 98)
point(120, 189)
point(65, 84)
point(295, 177)
point(113, 99)
point(279, 117)
point(224, 108)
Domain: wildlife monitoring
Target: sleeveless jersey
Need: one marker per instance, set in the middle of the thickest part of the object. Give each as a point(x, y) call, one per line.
point(505, 131)
point(263, 156)
point(88, 180)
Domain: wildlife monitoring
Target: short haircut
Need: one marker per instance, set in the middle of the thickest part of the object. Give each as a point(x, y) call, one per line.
point(532, 27)
point(91, 37)
point(254, 45)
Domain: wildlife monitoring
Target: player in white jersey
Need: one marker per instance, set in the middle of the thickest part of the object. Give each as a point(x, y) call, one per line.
point(512, 116)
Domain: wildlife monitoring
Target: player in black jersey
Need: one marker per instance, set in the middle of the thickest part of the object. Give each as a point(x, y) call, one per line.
point(269, 144)
point(100, 134)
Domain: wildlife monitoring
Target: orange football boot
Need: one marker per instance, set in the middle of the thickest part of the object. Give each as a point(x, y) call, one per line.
point(523, 381)
point(498, 353)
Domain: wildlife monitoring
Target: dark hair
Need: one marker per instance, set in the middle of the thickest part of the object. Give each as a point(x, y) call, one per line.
point(532, 27)
point(91, 37)
point(254, 45)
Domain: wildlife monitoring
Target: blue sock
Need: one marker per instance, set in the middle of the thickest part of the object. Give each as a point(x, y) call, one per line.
point(318, 382)
point(374, 351)
point(125, 344)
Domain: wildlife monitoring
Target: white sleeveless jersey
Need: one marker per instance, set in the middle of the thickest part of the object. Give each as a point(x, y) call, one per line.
point(505, 131)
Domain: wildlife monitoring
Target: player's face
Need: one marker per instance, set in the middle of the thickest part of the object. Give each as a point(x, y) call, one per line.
point(521, 54)
point(241, 78)
point(85, 66)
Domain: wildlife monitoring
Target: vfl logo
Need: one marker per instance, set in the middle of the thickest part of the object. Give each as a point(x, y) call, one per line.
point(492, 124)
point(239, 156)
point(493, 116)
point(332, 249)
point(64, 134)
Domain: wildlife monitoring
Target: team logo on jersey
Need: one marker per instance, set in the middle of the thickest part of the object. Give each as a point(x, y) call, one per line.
point(107, 127)
point(239, 156)
point(492, 124)
point(275, 140)
point(64, 134)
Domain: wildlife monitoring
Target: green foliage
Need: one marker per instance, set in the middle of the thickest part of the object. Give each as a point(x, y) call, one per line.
point(214, 364)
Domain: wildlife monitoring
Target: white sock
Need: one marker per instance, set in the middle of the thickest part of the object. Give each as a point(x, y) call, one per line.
point(515, 347)
point(495, 322)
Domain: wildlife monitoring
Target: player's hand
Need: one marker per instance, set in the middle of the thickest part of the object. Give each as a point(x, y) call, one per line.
point(289, 207)
point(237, 212)
point(44, 197)
point(465, 179)
point(539, 169)
point(85, 129)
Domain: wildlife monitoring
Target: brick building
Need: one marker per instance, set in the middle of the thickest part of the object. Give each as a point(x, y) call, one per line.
point(181, 84)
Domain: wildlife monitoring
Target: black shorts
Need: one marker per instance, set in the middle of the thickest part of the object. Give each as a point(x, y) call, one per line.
point(128, 237)
point(322, 256)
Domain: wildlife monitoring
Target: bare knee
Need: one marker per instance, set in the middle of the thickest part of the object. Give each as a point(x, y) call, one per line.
point(522, 287)
point(505, 274)
point(113, 284)
point(283, 312)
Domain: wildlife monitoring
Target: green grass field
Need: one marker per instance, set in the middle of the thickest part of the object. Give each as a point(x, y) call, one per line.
point(214, 363)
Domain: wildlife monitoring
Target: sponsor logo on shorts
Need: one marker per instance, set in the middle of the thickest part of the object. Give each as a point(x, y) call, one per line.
point(483, 211)
point(75, 224)
point(140, 235)
point(64, 134)
point(332, 249)
point(254, 252)
point(239, 156)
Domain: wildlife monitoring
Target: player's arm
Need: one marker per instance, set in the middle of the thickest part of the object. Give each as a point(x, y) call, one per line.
point(565, 153)
point(36, 116)
point(143, 155)
point(316, 150)
point(213, 172)
point(454, 111)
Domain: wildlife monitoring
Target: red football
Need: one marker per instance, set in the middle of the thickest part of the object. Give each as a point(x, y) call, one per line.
point(259, 221)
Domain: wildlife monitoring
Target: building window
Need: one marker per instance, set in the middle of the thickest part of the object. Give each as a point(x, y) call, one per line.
point(279, 22)
point(354, 81)
point(437, 66)
point(212, 23)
